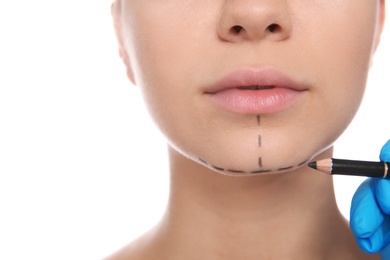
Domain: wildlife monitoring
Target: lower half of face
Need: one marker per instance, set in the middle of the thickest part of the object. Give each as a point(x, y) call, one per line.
point(177, 64)
point(251, 144)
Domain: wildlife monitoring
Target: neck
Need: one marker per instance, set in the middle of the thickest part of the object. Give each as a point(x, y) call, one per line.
point(285, 214)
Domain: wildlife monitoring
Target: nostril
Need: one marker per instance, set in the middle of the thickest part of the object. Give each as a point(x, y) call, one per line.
point(236, 29)
point(273, 27)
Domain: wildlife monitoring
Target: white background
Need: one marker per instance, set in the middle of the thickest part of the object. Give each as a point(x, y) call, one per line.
point(82, 168)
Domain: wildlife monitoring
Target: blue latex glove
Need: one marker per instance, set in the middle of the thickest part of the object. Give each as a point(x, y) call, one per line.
point(370, 213)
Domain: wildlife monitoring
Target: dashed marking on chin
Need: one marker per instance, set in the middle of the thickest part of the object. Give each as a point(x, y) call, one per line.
point(218, 168)
point(235, 171)
point(261, 171)
point(260, 162)
point(203, 161)
point(285, 168)
point(242, 172)
point(259, 142)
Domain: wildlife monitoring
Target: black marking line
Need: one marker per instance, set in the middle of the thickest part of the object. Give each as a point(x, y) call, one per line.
point(260, 162)
point(203, 161)
point(235, 171)
point(259, 142)
point(261, 171)
point(218, 168)
point(285, 168)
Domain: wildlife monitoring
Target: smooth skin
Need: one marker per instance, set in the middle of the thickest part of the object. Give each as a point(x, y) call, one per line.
point(174, 50)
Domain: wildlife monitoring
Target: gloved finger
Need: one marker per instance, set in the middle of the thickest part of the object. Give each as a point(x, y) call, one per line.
point(382, 193)
point(365, 216)
point(378, 240)
point(385, 152)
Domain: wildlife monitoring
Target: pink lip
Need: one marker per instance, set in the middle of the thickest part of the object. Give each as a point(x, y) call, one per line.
point(228, 93)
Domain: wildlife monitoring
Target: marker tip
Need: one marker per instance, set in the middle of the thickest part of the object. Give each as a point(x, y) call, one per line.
point(313, 165)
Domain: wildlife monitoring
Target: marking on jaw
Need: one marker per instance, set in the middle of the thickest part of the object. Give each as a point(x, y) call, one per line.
point(218, 168)
point(235, 171)
point(261, 171)
point(285, 168)
point(221, 169)
point(203, 161)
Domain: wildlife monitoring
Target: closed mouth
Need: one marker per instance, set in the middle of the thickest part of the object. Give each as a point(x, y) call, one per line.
point(256, 91)
point(255, 87)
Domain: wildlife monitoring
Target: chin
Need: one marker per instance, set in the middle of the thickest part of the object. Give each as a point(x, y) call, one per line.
point(253, 163)
point(243, 170)
point(278, 156)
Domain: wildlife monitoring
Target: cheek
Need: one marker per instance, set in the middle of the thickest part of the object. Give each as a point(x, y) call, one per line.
point(165, 54)
point(340, 50)
point(164, 39)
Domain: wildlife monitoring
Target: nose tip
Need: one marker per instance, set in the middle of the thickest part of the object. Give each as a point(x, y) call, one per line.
point(241, 20)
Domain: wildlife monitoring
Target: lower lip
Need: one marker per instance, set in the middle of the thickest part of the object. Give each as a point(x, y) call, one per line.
point(265, 101)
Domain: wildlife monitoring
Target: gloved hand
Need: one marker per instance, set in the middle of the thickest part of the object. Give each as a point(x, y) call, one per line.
point(370, 213)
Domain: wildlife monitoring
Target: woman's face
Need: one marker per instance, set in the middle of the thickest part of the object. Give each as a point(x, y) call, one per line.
point(250, 86)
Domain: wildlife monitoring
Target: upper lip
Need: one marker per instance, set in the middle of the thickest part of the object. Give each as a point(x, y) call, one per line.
point(252, 78)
